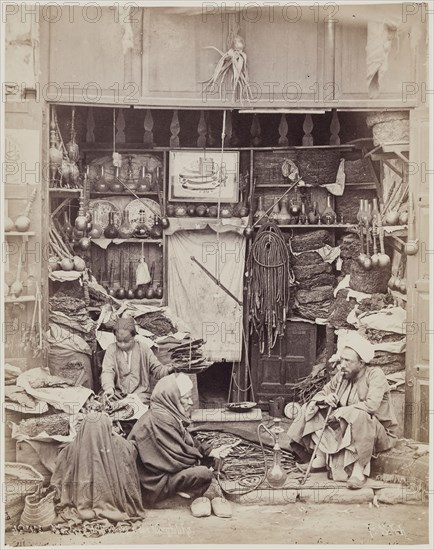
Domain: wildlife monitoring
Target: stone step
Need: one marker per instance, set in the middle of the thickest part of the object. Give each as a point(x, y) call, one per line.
point(320, 490)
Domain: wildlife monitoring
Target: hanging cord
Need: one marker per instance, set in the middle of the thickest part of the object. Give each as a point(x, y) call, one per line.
point(220, 194)
point(114, 130)
point(270, 279)
point(249, 374)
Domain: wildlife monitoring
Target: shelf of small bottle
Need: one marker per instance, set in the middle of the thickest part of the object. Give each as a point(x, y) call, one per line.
point(130, 240)
point(315, 226)
point(19, 233)
point(95, 194)
point(19, 299)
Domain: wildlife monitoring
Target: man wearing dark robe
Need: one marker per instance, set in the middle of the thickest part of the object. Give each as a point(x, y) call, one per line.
point(170, 458)
point(362, 419)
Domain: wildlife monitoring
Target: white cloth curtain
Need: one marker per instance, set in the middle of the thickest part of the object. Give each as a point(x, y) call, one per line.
point(209, 311)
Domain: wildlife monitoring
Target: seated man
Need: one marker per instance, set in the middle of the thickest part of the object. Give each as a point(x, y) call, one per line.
point(362, 420)
point(128, 364)
point(169, 460)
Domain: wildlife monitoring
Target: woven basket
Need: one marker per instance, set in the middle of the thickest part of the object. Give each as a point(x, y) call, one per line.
point(390, 126)
point(39, 511)
point(21, 480)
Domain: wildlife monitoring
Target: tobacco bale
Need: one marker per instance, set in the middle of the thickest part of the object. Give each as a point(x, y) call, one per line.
point(310, 240)
point(53, 424)
point(376, 302)
point(341, 309)
point(307, 258)
point(389, 362)
point(359, 171)
point(318, 166)
point(305, 274)
point(319, 294)
point(313, 311)
point(370, 282)
point(348, 204)
point(157, 323)
point(323, 279)
point(349, 245)
point(381, 336)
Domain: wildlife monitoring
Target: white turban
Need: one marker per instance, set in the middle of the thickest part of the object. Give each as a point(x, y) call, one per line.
point(184, 383)
point(359, 344)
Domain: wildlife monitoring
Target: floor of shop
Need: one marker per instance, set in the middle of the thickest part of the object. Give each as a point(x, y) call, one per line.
point(297, 523)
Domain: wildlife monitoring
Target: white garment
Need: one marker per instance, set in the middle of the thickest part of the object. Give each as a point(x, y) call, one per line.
point(209, 312)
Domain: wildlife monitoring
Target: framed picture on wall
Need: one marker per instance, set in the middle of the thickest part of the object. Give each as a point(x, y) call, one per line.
point(203, 176)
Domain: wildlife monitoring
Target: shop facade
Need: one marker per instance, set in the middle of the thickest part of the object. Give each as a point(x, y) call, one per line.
point(139, 83)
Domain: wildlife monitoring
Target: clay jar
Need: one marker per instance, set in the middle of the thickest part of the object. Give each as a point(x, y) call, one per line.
point(170, 210)
point(200, 210)
point(139, 293)
point(191, 210)
point(180, 211)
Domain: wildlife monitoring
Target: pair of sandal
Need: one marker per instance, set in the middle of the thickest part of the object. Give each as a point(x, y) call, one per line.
point(201, 507)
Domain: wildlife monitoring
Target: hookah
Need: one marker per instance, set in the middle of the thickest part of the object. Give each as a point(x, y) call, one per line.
point(276, 475)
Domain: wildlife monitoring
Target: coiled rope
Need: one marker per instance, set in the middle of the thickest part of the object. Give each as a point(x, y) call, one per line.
point(270, 277)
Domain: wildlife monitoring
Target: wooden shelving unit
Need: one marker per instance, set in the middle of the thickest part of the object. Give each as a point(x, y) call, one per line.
point(24, 234)
point(19, 299)
point(132, 240)
point(94, 194)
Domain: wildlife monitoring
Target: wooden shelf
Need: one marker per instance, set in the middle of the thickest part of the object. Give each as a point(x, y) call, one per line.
point(64, 193)
point(138, 148)
point(364, 185)
point(20, 234)
point(125, 193)
point(20, 299)
point(132, 240)
point(316, 226)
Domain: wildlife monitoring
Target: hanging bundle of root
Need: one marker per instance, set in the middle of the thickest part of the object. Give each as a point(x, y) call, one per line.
point(270, 279)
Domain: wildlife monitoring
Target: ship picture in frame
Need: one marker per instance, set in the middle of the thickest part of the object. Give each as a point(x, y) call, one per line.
point(203, 176)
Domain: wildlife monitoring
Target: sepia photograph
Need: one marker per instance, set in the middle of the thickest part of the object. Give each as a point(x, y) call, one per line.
point(216, 286)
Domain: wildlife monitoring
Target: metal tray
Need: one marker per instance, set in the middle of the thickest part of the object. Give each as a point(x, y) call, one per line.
point(242, 406)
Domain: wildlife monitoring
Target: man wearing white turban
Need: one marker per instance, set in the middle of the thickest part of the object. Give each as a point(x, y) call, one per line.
point(362, 420)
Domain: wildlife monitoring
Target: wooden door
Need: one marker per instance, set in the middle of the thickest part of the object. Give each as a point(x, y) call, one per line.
point(418, 335)
point(351, 68)
point(91, 57)
point(291, 359)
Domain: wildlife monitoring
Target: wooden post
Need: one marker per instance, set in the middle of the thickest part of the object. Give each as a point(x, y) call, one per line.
point(120, 127)
point(334, 129)
point(148, 125)
point(283, 131)
point(201, 130)
point(174, 129)
point(307, 129)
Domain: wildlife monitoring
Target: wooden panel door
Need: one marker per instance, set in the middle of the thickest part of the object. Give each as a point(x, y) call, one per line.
point(285, 59)
point(290, 360)
point(350, 64)
point(90, 58)
point(418, 335)
point(175, 56)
